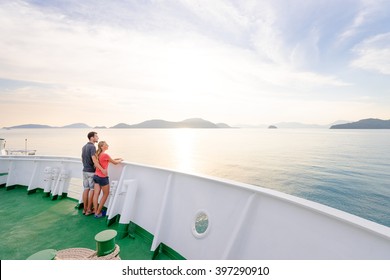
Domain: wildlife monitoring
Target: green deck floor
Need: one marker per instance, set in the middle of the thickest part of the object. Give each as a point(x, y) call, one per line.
point(31, 223)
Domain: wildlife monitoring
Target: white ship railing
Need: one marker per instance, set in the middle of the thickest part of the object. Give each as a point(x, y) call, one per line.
point(25, 151)
point(208, 218)
point(20, 152)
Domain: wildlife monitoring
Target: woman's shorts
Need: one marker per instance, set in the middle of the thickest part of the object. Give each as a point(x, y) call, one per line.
point(102, 181)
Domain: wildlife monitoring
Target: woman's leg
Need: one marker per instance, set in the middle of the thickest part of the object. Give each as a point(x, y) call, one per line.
point(106, 192)
point(96, 194)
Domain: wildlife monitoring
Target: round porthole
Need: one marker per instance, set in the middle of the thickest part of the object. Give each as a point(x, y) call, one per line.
point(201, 224)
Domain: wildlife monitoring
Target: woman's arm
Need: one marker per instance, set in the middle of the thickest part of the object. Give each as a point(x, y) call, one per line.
point(116, 160)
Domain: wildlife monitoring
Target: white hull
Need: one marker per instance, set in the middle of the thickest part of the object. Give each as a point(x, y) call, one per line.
point(244, 221)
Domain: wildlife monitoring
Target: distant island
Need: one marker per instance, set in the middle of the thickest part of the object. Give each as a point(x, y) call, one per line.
point(29, 126)
point(201, 123)
point(188, 123)
point(364, 124)
point(75, 125)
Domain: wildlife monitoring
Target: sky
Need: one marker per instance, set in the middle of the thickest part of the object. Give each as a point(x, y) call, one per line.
point(238, 62)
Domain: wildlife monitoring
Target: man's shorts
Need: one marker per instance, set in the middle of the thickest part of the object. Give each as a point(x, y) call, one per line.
point(102, 181)
point(88, 182)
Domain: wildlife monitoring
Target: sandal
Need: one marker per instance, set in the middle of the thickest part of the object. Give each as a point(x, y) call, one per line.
point(88, 213)
point(102, 214)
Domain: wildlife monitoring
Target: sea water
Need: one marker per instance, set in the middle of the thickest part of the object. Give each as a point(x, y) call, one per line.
point(345, 169)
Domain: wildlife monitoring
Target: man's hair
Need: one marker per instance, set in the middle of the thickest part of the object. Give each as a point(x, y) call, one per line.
point(91, 134)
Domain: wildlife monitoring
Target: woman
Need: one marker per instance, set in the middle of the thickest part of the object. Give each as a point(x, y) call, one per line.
point(101, 178)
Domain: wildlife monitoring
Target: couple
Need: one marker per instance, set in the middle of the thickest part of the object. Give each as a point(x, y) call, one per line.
point(95, 177)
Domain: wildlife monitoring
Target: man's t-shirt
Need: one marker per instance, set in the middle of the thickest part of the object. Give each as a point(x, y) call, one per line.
point(87, 152)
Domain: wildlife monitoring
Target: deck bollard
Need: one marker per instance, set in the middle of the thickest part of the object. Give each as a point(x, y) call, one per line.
point(105, 242)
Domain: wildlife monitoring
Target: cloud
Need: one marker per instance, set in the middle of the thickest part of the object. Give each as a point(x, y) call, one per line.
point(365, 13)
point(54, 50)
point(172, 58)
point(373, 54)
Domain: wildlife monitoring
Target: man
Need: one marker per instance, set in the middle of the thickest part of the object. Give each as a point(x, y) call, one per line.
point(89, 163)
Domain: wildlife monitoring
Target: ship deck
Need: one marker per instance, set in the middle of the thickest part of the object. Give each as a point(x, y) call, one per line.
point(34, 222)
